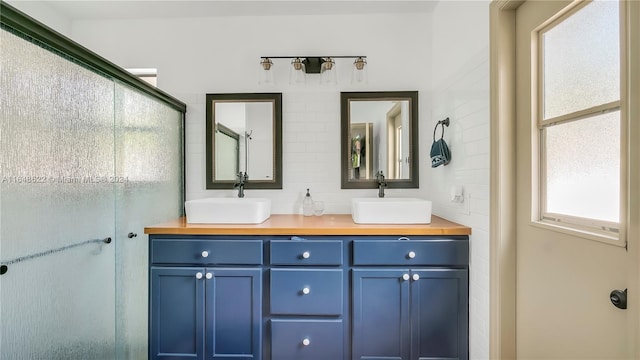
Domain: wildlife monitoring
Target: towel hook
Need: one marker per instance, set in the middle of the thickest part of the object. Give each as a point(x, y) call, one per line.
point(442, 123)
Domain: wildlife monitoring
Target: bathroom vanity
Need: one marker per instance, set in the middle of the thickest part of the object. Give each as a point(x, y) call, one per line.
point(308, 288)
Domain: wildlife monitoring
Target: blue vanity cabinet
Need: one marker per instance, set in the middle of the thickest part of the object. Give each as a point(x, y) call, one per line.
point(410, 313)
point(282, 297)
point(213, 311)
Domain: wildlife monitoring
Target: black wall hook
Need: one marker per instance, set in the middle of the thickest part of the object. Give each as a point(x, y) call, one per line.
point(444, 122)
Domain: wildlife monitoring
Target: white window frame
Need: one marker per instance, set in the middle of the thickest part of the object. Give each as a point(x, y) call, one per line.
point(593, 229)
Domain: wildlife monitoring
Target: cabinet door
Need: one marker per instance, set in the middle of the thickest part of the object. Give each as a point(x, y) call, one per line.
point(439, 314)
point(381, 314)
point(233, 324)
point(177, 313)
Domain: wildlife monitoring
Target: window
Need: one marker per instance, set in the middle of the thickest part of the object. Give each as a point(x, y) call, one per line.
point(579, 119)
point(148, 75)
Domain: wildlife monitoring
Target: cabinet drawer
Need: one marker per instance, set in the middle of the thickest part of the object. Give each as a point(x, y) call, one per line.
point(437, 252)
point(306, 292)
point(206, 252)
point(306, 252)
point(306, 339)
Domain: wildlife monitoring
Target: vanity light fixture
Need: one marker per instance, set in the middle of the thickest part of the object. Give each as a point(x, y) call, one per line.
point(328, 72)
point(359, 74)
point(265, 74)
point(296, 72)
point(302, 65)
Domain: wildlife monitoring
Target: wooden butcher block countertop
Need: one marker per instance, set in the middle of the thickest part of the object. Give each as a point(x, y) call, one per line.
point(328, 224)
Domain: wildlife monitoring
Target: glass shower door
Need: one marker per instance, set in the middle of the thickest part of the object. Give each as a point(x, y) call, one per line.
point(149, 191)
point(57, 207)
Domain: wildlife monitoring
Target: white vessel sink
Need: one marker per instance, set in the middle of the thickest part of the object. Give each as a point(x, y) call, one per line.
point(228, 210)
point(390, 211)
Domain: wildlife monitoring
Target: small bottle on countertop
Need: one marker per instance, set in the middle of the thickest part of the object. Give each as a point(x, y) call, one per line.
point(307, 205)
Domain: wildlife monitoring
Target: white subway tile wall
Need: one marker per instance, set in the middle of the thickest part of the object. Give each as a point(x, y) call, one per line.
point(461, 92)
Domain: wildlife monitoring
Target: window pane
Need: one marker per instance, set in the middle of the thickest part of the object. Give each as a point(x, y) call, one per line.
point(583, 167)
point(581, 66)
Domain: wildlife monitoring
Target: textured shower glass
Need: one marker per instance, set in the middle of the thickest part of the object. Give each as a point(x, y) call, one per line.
point(149, 191)
point(57, 156)
point(581, 67)
point(583, 168)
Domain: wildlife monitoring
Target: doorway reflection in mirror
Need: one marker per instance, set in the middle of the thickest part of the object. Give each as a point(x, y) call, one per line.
point(244, 134)
point(379, 132)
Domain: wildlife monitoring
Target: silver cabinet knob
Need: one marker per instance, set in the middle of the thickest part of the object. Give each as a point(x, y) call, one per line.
point(416, 277)
point(209, 276)
point(411, 254)
point(405, 277)
point(205, 254)
point(306, 342)
point(306, 255)
point(306, 290)
point(198, 275)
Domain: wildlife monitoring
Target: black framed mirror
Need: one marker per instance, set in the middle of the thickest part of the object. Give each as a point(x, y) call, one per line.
point(379, 132)
point(244, 134)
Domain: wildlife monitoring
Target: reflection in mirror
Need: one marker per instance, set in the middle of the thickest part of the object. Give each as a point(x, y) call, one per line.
point(244, 134)
point(379, 133)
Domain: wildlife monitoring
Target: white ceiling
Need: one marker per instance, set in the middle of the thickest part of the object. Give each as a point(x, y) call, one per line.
point(119, 9)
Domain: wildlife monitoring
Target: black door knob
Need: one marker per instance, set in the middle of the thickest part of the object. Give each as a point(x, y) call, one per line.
point(619, 298)
point(132, 235)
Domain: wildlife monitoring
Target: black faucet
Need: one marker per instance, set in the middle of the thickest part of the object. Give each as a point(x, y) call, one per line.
point(382, 183)
point(242, 178)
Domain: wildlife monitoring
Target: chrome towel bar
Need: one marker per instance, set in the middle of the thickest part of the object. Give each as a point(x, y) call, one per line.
point(5, 264)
